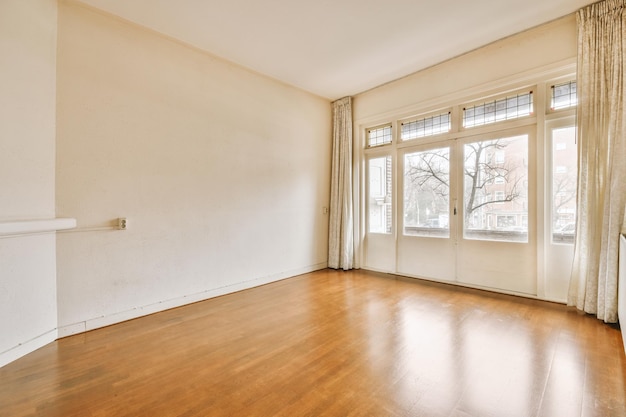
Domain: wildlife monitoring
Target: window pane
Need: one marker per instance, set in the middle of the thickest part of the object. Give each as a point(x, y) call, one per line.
point(427, 193)
point(379, 203)
point(564, 178)
point(564, 95)
point(496, 189)
point(512, 107)
point(379, 136)
point(427, 126)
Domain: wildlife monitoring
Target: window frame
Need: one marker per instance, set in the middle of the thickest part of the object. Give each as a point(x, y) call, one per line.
point(501, 95)
point(381, 153)
point(381, 253)
point(561, 112)
point(424, 116)
point(379, 127)
point(551, 89)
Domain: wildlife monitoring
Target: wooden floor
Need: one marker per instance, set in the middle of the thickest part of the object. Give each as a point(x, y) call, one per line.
point(332, 343)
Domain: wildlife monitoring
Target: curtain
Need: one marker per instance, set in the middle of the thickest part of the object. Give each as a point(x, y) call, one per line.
point(601, 158)
point(340, 232)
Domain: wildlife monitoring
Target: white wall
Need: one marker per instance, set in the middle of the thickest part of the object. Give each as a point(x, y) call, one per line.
point(27, 132)
point(222, 173)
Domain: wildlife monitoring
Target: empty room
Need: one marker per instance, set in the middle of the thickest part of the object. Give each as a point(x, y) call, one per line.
point(290, 208)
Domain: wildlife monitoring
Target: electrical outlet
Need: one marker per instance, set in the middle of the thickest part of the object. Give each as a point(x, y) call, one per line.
point(325, 210)
point(122, 223)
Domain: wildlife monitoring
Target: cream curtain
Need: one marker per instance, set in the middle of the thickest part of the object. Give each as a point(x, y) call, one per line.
point(340, 232)
point(601, 158)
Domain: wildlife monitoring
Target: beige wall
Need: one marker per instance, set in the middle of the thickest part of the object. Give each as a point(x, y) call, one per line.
point(27, 113)
point(27, 132)
point(542, 46)
point(222, 173)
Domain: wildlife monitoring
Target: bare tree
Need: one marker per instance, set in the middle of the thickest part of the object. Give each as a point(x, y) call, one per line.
point(482, 170)
point(428, 183)
point(430, 171)
point(563, 191)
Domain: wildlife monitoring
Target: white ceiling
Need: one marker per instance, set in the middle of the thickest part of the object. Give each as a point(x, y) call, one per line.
point(335, 48)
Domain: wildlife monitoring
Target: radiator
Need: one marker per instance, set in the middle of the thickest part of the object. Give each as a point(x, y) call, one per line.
point(621, 288)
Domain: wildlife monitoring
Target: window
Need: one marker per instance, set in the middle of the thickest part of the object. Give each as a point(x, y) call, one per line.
point(427, 193)
point(479, 174)
point(379, 206)
point(489, 219)
point(507, 108)
point(379, 136)
point(505, 221)
point(564, 96)
point(427, 126)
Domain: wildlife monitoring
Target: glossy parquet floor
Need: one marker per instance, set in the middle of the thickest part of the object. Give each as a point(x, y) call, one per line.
point(332, 343)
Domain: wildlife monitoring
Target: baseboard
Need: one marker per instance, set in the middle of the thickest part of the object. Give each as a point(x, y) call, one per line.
point(98, 322)
point(25, 348)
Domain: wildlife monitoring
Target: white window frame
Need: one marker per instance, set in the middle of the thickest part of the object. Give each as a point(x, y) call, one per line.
point(491, 125)
point(559, 112)
point(371, 156)
point(539, 81)
point(380, 127)
point(421, 117)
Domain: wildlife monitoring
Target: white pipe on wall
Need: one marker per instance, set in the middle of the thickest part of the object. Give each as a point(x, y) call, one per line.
point(27, 227)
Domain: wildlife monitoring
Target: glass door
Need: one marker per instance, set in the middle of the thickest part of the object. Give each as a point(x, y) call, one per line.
point(496, 212)
point(380, 237)
point(562, 177)
point(468, 211)
point(426, 244)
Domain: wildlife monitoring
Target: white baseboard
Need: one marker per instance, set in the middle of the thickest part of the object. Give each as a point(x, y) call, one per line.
point(25, 348)
point(71, 329)
point(114, 318)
